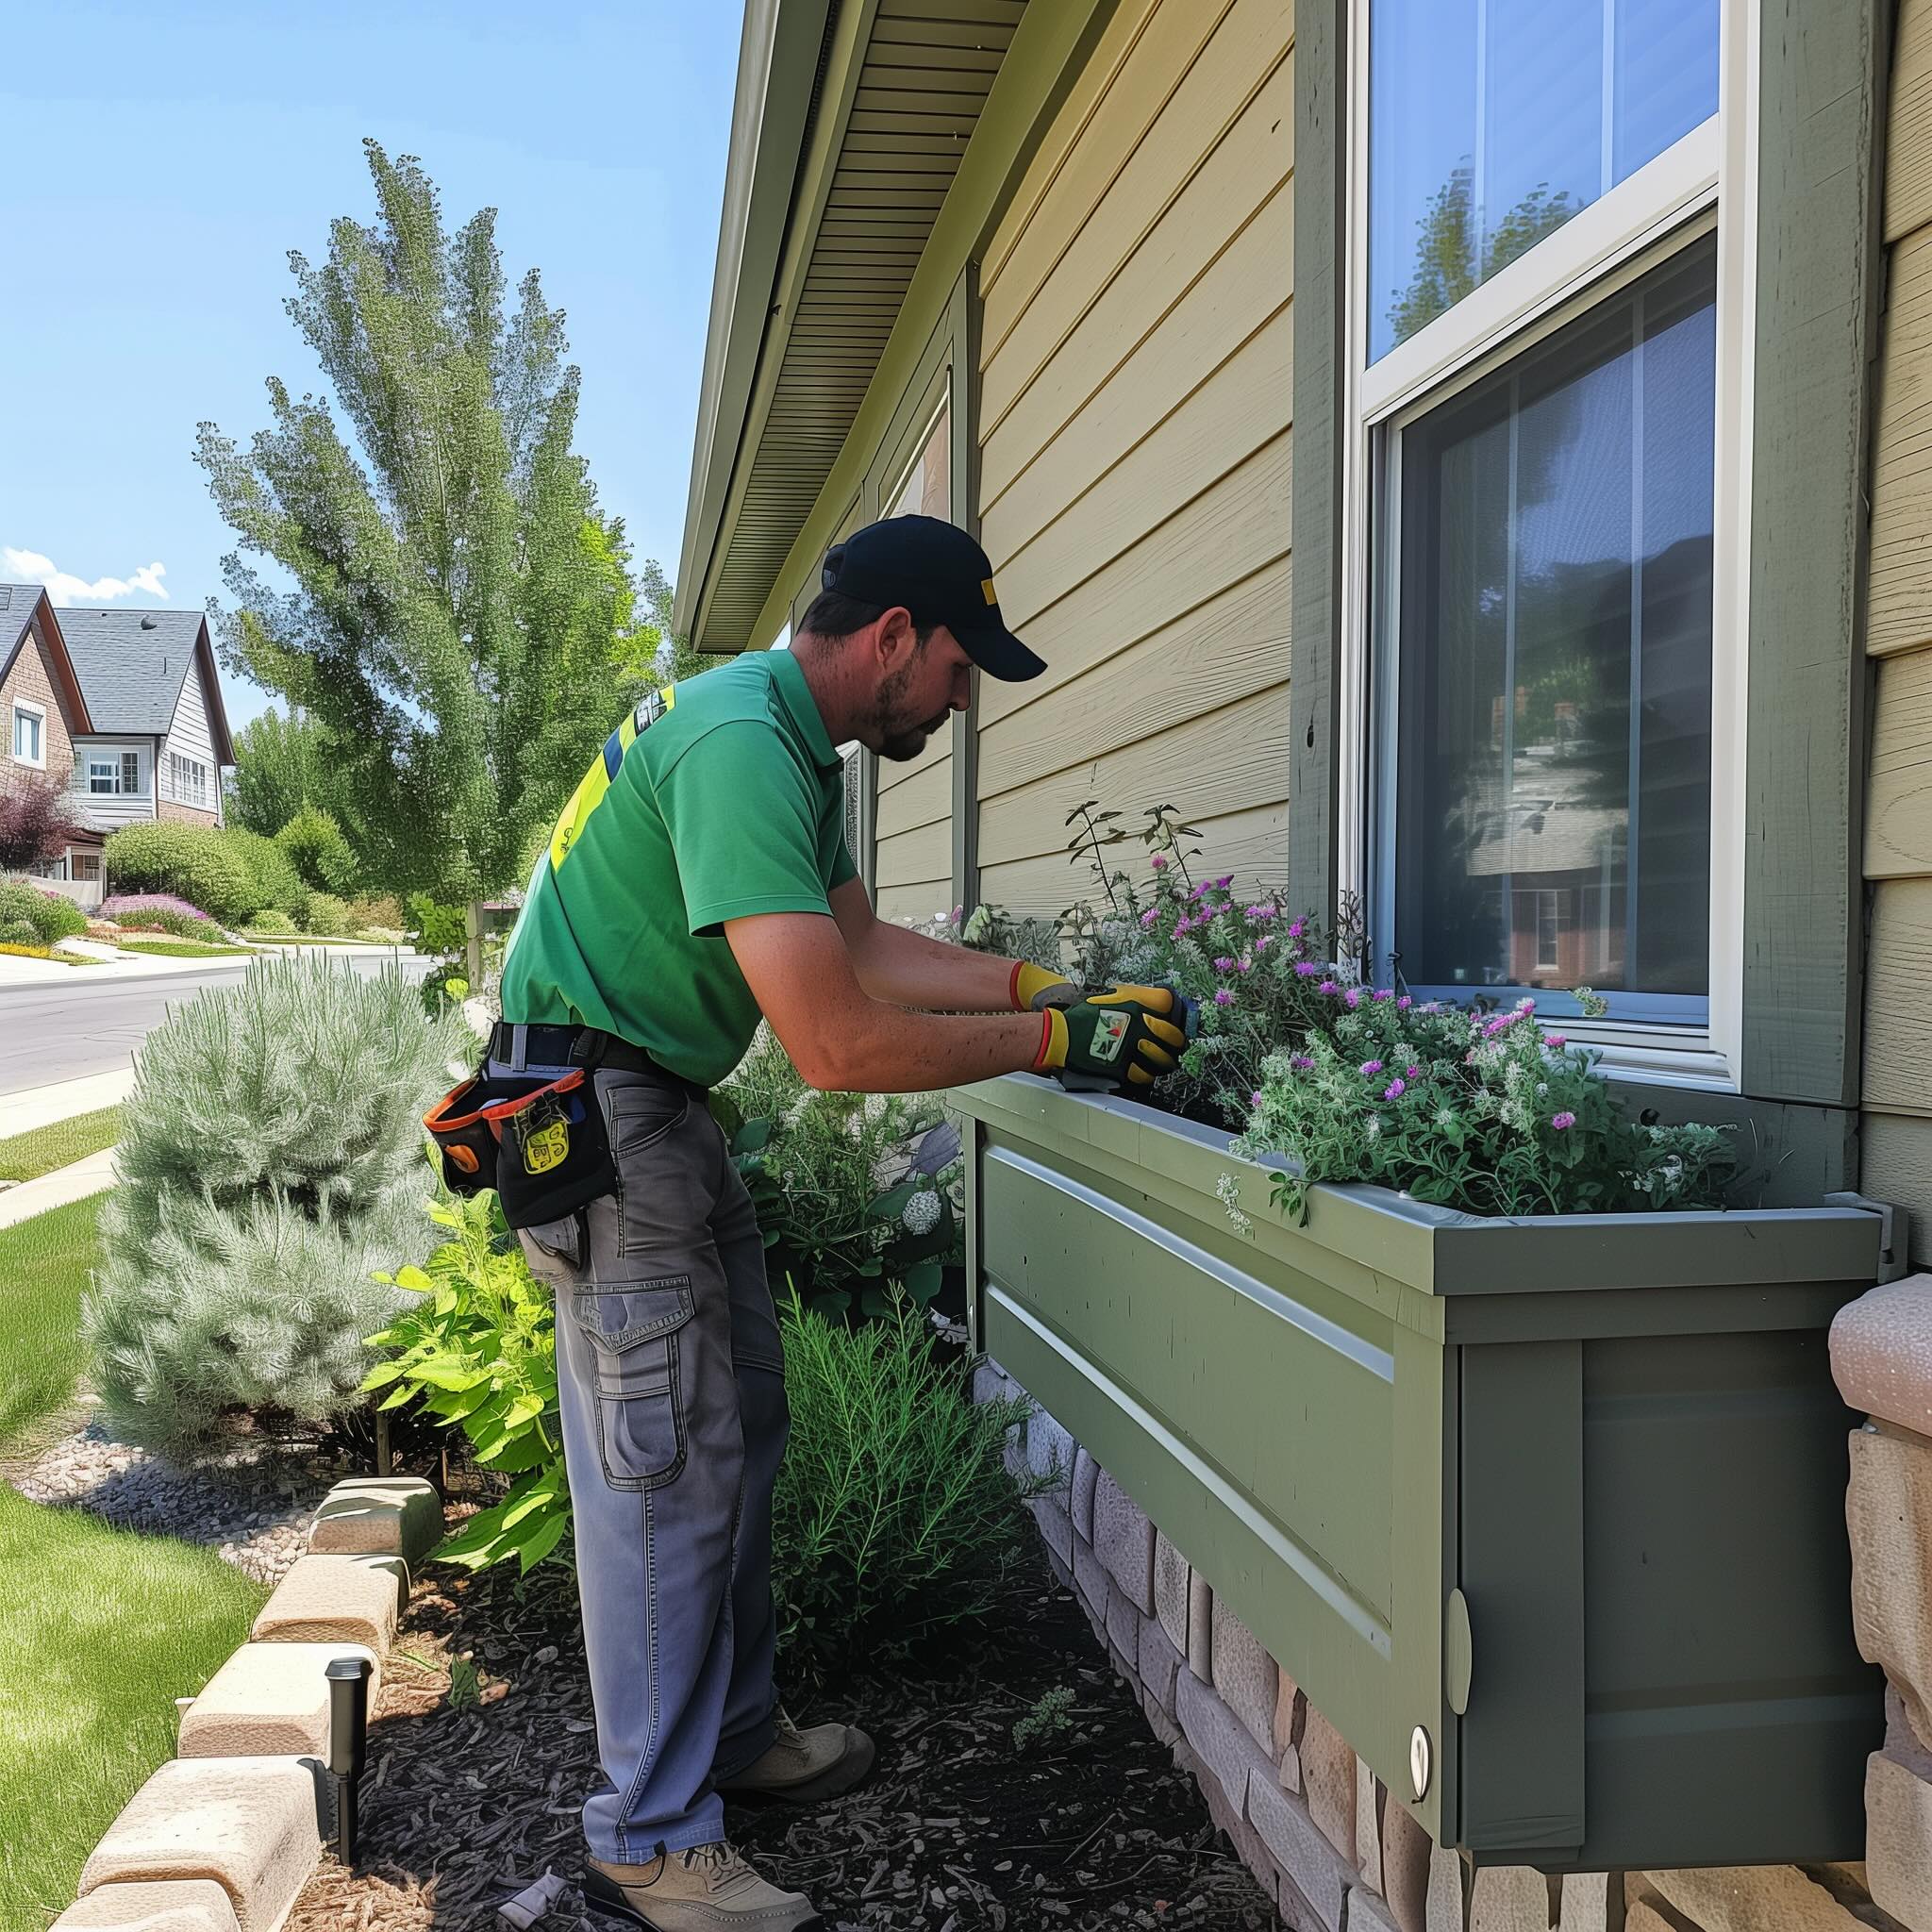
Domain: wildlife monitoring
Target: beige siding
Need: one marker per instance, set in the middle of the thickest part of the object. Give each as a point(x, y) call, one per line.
point(1898, 1136)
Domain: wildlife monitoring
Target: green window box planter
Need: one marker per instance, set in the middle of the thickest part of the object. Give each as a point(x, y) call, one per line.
point(1546, 1515)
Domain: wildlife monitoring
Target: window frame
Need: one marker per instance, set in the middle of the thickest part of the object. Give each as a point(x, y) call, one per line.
point(26, 708)
point(1705, 180)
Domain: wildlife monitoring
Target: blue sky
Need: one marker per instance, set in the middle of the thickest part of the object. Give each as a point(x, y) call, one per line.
point(162, 161)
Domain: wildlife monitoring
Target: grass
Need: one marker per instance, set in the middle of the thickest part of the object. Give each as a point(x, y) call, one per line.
point(182, 949)
point(45, 1265)
point(27, 1157)
point(104, 1629)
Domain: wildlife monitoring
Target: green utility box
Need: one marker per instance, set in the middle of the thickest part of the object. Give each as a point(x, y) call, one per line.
point(1546, 1515)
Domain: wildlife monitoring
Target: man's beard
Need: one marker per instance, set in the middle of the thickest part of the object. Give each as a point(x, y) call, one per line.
point(901, 739)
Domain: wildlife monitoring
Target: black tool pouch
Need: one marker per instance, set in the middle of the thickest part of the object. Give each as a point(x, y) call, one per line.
point(540, 1142)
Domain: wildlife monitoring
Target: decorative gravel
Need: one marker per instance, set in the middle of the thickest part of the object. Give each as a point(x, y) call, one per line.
point(251, 1504)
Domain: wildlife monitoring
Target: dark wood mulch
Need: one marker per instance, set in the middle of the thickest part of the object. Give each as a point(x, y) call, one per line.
point(955, 1831)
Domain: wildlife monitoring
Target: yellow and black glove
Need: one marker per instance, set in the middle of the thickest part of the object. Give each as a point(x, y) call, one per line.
point(1122, 1040)
point(1033, 989)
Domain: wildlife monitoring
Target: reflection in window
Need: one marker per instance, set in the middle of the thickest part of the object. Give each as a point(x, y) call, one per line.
point(1553, 733)
point(1493, 122)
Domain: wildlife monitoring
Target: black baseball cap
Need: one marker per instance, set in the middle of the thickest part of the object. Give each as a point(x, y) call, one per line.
point(939, 574)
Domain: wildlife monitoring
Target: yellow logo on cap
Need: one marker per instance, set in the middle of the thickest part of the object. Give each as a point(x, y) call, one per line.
point(985, 585)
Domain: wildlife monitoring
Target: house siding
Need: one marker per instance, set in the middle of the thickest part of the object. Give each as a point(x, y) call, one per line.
point(31, 677)
point(189, 736)
point(1896, 1162)
point(1134, 422)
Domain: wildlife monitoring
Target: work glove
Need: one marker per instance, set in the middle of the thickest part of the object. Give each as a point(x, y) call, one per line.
point(1122, 1040)
point(1033, 989)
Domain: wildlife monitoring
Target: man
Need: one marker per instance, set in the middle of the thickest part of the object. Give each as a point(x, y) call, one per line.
point(698, 879)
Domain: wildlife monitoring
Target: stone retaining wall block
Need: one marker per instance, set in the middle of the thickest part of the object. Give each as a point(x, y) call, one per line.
point(1170, 1576)
point(1898, 1842)
point(1301, 1851)
point(358, 1599)
point(169, 1904)
point(248, 1824)
point(1889, 1514)
point(1123, 1540)
point(1200, 1645)
point(268, 1700)
point(1753, 1898)
point(1406, 1849)
point(1328, 1782)
point(1510, 1898)
point(1086, 1474)
point(380, 1516)
point(1243, 1673)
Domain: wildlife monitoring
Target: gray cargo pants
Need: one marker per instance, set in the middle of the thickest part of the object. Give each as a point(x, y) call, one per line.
point(670, 1378)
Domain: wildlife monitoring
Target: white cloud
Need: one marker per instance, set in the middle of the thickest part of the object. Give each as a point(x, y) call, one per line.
point(63, 586)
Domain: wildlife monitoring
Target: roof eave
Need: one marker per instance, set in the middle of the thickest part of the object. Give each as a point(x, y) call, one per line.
point(777, 67)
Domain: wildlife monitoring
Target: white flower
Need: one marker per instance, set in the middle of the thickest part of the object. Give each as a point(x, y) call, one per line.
point(922, 1214)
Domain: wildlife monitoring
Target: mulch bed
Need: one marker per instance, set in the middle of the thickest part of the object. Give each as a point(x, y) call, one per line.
point(954, 1830)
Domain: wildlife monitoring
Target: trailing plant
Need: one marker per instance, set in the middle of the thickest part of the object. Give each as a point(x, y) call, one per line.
point(894, 1516)
point(1484, 1112)
point(268, 1167)
point(476, 1349)
point(198, 863)
point(51, 916)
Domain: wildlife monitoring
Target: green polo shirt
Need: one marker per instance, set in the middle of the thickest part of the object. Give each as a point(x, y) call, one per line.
point(716, 799)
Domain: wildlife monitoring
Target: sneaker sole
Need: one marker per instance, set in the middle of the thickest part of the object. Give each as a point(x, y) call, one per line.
point(606, 1895)
point(831, 1783)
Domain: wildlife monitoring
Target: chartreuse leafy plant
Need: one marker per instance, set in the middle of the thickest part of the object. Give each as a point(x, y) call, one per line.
point(475, 1347)
point(1484, 1112)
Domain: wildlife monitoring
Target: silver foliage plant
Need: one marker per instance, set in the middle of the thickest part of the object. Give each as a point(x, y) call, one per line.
point(269, 1163)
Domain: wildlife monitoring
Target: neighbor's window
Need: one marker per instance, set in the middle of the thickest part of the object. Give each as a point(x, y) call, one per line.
point(1495, 122)
point(1553, 651)
point(29, 726)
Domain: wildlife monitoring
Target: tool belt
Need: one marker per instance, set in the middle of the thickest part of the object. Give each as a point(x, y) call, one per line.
point(538, 1138)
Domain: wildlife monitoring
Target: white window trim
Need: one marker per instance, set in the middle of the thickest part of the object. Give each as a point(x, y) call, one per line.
point(25, 707)
point(1565, 273)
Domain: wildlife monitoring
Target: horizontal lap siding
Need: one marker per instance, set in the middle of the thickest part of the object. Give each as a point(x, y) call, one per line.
point(1896, 1163)
point(1136, 453)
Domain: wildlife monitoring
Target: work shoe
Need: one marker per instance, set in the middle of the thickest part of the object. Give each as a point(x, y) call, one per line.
point(802, 1767)
point(707, 1888)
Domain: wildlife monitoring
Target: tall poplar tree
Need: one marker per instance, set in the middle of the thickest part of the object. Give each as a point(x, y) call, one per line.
point(456, 590)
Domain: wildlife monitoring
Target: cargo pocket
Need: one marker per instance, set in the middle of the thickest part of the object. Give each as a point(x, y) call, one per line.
point(633, 1331)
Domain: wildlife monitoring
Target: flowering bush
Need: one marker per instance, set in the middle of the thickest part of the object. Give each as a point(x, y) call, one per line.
point(161, 912)
point(1484, 1112)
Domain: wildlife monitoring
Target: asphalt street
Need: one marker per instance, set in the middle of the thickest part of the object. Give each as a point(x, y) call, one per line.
point(49, 1033)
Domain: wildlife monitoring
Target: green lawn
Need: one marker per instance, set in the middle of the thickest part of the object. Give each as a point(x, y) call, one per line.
point(44, 1266)
point(26, 1157)
point(104, 1629)
point(182, 949)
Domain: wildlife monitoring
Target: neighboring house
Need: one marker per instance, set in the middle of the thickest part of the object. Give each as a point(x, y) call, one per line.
point(122, 706)
point(1468, 457)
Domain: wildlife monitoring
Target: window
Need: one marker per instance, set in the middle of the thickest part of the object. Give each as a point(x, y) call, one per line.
point(30, 734)
point(1546, 494)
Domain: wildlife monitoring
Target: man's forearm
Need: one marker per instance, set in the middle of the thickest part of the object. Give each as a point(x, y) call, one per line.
point(906, 969)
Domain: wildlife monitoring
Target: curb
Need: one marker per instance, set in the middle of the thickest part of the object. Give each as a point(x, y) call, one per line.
point(225, 1842)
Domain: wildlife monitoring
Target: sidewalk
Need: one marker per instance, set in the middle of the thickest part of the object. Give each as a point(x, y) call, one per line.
point(93, 1176)
point(40, 1106)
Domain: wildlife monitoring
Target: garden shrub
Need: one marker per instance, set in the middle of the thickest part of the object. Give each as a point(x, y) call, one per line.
point(328, 917)
point(51, 916)
point(161, 913)
point(277, 883)
point(269, 1163)
point(314, 843)
point(197, 863)
point(18, 933)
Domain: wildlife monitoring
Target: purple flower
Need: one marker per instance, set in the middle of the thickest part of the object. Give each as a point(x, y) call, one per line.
point(1223, 997)
point(1159, 863)
point(1224, 964)
point(1328, 986)
point(1561, 1121)
point(1304, 969)
point(1395, 1090)
point(1553, 1040)
point(1371, 1068)
point(1148, 917)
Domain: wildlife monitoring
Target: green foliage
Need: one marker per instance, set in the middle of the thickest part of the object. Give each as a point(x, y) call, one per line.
point(894, 1515)
point(856, 1193)
point(1485, 1113)
point(476, 1349)
point(18, 932)
point(282, 763)
point(314, 845)
point(1049, 1719)
point(328, 917)
point(277, 884)
point(435, 928)
point(198, 863)
point(449, 627)
point(51, 917)
point(268, 1167)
